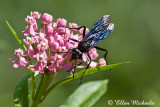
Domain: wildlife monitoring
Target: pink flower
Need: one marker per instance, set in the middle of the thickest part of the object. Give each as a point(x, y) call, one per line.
point(93, 64)
point(41, 63)
point(73, 25)
point(30, 20)
point(46, 19)
point(29, 30)
point(52, 38)
point(61, 22)
point(57, 37)
point(35, 15)
point(21, 60)
point(69, 45)
point(38, 67)
point(102, 62)
point(55, 46)
point(61, 42)
point(30, 51)
point(36, 39)
point(28, 40)
point(81, 31)
point(68, 66)
point(56, 63)
point(18, 52)
point(41, 35)
point(44, 46)
point(93, 53)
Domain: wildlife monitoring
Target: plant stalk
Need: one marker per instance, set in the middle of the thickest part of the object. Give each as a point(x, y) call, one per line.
point(40, 90)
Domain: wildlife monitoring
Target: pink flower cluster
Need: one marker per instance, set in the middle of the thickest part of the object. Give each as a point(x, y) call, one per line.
point(45, 45)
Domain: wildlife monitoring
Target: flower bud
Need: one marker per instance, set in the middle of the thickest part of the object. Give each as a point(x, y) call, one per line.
point(49, 30)
point(102, 62)
point(57, 37)
point(61, 30)
point(61, 22)
point(46, 19)
point(54, 46)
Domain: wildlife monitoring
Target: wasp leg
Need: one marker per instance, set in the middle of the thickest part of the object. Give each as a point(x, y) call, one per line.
point(61, 52)
point(75, 68)
point(84, 31)
point(80, 81)
point(105, 55)
point(73, 40)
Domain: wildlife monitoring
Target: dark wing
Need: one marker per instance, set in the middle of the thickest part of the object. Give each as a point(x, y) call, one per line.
point(100, 30)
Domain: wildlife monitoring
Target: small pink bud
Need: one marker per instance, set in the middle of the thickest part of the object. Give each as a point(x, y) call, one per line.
point(61, 42)
point(102, 62)
point(51, 40)
point(69, 45)
point(57, 37)
point(61, 22)
point(49, 30)
point(87, 30)
point(93, 53)
point(61, 30)
point(93, 64)
point(55, 46)
point(46, 19)
point(84, 57)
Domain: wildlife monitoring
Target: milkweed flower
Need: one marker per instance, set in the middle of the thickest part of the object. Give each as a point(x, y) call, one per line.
point(49, 47)
point(21, 60)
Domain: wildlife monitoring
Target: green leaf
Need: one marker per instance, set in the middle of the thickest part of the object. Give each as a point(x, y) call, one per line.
point(21, 93)
point(24, 48)
point(79, 74)
point(87, 94)
point(16, 36)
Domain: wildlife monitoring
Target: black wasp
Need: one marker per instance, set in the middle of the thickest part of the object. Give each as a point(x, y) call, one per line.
point(100, 30)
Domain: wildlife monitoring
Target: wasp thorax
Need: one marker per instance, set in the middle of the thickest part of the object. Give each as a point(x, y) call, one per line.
point(76, 54)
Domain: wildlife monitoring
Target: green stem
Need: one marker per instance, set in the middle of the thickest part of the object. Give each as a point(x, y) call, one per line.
point(55, 86)
point(40, 90)
point(33, 84)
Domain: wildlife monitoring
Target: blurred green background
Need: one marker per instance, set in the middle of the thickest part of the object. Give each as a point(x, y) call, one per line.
point(136, 38)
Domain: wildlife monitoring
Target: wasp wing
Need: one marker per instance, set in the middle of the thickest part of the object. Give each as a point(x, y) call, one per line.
point(100, 30)
point(102, 35)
